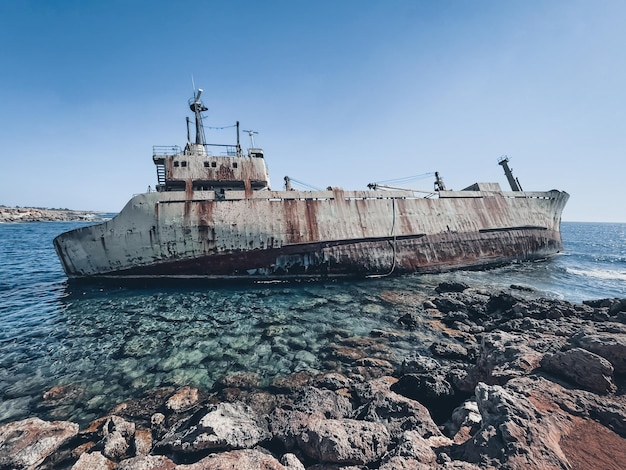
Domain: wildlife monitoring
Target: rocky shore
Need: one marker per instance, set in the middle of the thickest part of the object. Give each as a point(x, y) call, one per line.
point(518, 383)
point(35, 214)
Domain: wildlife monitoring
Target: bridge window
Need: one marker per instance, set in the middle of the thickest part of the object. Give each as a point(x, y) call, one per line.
point(176, 164)
point(183, 163)
point(234, 164)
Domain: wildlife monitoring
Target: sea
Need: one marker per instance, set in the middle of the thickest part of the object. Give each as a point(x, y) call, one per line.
point(73, 352)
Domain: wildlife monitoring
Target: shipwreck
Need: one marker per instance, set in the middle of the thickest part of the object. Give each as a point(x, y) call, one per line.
point(215, 217)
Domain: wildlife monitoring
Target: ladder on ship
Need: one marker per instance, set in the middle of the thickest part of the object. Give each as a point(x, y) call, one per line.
point(160, 169)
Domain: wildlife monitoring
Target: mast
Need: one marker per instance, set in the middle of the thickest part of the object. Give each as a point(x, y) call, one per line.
point(513, 182)
point(198, 107)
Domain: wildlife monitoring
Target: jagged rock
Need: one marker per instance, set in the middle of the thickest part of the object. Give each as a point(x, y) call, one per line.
point(583, 368)
point(328, 403)
point(146, 462)
point(226, 426)
point(587, 425)
point(345, 441)
point(503, 356)
point(183, 399)
point(115, 446)
point(431, 390)
point(397, 413)
point(410, 321)
point(287, 425)
point(607, 410)
point(92, 461)
point(118, 424)
point(464, 422)
point(27, 443)
point(246, 459)
point(292, 462)
point(451, 287)
point(332, 381)
point(143, 442)
point(412, 452)
point(449, 350)
point(291, 383)
point(611, 346)
point(514, 434)
point(418, 364)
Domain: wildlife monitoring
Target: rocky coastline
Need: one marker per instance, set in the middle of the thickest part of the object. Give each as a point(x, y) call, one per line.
point(519, 382)
point(37, 214)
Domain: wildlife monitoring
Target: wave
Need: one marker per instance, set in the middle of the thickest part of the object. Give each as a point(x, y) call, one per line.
point(605, 274)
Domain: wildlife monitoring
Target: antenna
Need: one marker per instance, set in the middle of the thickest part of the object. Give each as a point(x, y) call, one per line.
point(251, 134)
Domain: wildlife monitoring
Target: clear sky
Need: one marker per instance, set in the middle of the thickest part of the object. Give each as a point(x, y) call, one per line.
point(341, 92)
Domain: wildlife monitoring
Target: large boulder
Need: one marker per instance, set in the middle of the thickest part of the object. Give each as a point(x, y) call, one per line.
point(226, 426)
point(503, 356)
point(397, 413)
point(344, 441)
point(27, 443)
point(583, 368)
point(412, 452)
point(611, 346)
point(513, 433)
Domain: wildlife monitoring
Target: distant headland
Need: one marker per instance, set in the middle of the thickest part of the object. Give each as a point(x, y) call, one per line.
point(38, 214)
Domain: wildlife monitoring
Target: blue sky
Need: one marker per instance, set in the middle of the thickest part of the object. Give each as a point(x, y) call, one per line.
point(342, 93)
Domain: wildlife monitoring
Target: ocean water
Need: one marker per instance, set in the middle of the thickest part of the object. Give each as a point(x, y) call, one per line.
point(98, 346)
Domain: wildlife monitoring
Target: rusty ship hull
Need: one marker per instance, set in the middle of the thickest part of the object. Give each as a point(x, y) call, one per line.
point(272, 235)
point(215, 216)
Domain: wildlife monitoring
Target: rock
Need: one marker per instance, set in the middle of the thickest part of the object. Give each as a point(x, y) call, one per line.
point(287, 425)
point(27, 443)
point(397, 413)
point(118, 424)
point(332, 381)
point(590, 427)
point(93, 461)
point(226, 426)
point(143, 442)
point(464, 422)
point(418, 364)
point(410, 321)
point(432, 390)
point(115, 446)
point(291, 383)
point(611, 346)
point(503, 356)
point(513, 433)
point(451, 287)
point(449, 350)
point(583, 368)
point(344, 441)
point(328, 403)
point(292, 462)
point(412, 452)
point(242, 380)
point(246, 459)
point(147, 462)
point(183, 399)
point(608, 411)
